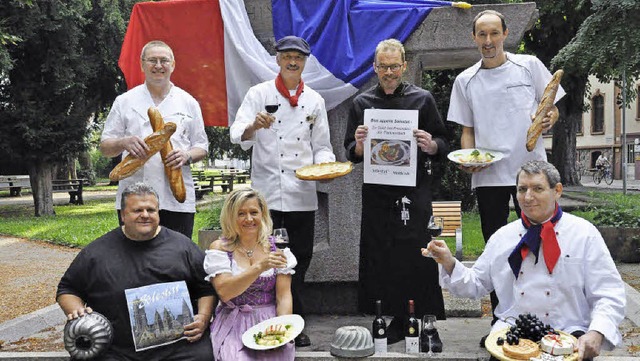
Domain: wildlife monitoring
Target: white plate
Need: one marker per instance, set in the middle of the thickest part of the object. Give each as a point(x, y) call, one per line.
point(456, 156)
point(400, 159)
point(295, 321)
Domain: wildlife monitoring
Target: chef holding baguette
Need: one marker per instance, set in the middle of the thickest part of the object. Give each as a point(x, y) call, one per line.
point(158, 129)
point(497, 101)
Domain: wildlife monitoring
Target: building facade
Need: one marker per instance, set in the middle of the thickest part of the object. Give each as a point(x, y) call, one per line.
point(603, 128)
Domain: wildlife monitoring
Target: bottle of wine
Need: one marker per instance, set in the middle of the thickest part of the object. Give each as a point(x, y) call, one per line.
point(379, 331)
point(411, 336)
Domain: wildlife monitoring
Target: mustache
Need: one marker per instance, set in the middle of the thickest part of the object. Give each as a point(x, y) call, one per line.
point(292, 67)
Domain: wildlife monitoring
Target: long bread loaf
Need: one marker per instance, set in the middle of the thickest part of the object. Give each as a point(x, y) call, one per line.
point(131, 164)
point(548, 98)
point(174, 176)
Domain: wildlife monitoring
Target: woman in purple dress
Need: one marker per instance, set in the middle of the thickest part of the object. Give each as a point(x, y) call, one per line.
point(252, 277)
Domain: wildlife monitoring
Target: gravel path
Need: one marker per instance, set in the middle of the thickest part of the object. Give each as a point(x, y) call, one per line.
point(29, 274)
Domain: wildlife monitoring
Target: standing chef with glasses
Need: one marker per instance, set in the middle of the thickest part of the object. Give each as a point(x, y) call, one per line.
point(394, 218)
point(285, 122)
point(128, 124)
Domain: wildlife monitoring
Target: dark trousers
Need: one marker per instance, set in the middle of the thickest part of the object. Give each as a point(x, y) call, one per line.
point(300, 227)
point(177, 221)
point(493, 206)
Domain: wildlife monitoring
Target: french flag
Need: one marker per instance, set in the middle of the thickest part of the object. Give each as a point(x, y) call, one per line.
point(218, 58)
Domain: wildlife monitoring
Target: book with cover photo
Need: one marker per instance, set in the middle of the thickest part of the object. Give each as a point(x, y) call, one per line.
point(158, 313)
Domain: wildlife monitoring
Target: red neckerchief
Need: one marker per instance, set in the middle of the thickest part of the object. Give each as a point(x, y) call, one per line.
point(282, 89)
point(531, 241)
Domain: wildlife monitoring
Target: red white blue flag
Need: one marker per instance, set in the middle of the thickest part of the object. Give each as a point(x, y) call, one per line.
point(218, 58)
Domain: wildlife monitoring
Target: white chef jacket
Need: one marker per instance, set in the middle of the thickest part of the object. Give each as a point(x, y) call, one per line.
point(584, 292)
point(498, 103)
point(128, 117)
point(299, 137)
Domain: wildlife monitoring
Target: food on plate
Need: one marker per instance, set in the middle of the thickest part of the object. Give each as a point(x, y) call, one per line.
point(475, 156)
point(174, 176)
point(524, 350)
point(131, 164)
point(390, 152)
point(323, 171)
point(546, 104)
point(274, 335)
point(557, 344)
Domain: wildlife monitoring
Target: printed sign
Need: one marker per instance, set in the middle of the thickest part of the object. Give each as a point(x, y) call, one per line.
point(390, 151)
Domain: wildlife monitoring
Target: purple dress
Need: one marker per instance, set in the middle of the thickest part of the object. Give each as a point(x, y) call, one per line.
point(256, 304)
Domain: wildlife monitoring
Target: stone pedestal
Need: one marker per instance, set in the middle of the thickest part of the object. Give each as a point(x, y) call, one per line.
point(442, 41)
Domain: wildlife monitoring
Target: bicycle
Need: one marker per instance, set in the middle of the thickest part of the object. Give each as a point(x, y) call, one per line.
point(603, 173)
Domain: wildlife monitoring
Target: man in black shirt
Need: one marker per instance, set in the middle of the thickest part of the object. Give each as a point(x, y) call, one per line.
point(140, 253)
point(389, 268)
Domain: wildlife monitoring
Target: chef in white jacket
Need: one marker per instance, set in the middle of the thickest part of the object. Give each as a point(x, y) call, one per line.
point(549, 263)
point(291, 133)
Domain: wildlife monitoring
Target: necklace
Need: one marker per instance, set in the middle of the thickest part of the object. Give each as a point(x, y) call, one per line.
point(249, 252)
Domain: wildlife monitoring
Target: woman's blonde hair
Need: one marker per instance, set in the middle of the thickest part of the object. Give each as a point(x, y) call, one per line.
point(229, 214)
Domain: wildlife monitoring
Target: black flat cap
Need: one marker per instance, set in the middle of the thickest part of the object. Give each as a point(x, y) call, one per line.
point(291, 42)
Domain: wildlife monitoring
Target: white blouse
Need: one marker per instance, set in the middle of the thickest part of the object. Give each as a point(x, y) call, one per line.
point(217, 262)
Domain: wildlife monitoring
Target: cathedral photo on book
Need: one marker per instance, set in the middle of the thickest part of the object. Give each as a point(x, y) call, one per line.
point(158, 313)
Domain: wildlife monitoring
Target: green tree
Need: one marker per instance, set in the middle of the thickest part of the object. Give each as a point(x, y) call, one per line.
point(558, 23)
point(220, 145)
point(63, 73)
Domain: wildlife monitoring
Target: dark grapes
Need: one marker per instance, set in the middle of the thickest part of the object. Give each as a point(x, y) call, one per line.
point(528, 326)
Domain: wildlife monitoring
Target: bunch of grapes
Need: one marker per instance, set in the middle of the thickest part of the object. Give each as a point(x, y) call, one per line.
point(527, 326)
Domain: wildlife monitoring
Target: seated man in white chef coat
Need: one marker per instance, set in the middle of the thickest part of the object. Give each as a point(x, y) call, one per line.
point(549, 263)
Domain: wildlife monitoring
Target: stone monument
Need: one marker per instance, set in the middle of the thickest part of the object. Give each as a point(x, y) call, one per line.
point(442, 41)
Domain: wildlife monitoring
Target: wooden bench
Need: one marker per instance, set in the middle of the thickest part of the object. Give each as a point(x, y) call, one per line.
point(451, 212)
point(201, 189)
point(72, 186)
point(209, 184)
point(14, 183)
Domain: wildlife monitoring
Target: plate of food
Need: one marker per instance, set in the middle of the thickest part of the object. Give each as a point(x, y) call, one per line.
point(273, 333)
point(390, 152)
point(551, 347)
point(324, 171)
point(474, 157)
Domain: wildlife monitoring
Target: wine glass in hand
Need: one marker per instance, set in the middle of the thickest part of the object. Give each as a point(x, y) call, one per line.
point(271, 106)
point(281, 238)
point(434, 227)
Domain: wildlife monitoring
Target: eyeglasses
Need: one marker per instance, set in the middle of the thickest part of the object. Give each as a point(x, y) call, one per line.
point(154, 61)
point(384, 68)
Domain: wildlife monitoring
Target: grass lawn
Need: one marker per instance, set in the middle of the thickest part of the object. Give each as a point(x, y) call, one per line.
point(79, 225)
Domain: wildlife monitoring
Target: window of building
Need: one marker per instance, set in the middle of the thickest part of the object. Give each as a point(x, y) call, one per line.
point(630, 154)
point(597, 113)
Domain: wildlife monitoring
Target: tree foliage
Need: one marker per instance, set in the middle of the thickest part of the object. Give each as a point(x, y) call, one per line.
point(220, 145)
point(607, 44)
point(559, 21)
point(63, 72)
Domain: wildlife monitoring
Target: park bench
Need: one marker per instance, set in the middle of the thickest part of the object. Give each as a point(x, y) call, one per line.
point(14, 183)
point(209, 184)
point(71, 186)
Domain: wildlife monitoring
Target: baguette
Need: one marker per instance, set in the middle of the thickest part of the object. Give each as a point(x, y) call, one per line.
point(548, 98)
point(174, 176)
point(131, 164)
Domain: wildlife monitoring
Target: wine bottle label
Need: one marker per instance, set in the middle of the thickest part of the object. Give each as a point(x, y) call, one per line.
point(412, 344)
point(381, 332)
point(380, 345)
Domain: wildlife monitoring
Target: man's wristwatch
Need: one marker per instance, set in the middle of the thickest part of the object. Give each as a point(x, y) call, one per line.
point(189, 160)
